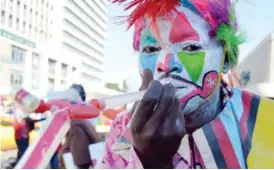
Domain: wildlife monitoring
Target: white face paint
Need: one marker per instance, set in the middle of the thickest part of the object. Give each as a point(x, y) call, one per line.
point(184, 55)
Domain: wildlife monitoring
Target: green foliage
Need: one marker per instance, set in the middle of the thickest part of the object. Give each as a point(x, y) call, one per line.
point(115, 86)
point(125, 86)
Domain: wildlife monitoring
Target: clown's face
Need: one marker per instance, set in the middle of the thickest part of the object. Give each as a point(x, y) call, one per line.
point(184, 55)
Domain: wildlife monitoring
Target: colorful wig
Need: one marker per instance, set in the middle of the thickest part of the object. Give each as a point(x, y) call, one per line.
point(219, 14)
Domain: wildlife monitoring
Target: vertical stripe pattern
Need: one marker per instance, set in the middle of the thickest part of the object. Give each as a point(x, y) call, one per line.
point(255, 101)
point(214, 146)
point(234, 137)
point(262, 150)
point(203, 146)
point(225, 144)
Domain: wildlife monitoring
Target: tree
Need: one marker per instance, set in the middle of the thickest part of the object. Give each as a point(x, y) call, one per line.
point(113, 86)
point(125, 86)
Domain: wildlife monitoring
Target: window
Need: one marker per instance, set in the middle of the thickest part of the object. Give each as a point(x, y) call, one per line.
point(18, 8)
point(34, 81)
point(24, 27)
point(10, 21)
point(20, 79)
point(17, 24)
point(25, 11)
point(45, 34)
point(35, 61)
point(35, 70)
point(50, 84)
point(11, 6)
point(18, 55)
point(3, 3)
point(42, 6)
point(52, 65)
point(16, 78)
point(63, 84)
point(36, 18)
point(41, 21)
point(30, 31)
point(11, 78)
point(64, 70)
point(30, 16)
point(35, 32)
point(3, 15)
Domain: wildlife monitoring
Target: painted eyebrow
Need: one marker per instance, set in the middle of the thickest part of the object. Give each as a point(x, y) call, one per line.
point(147, 38)
point(189, 33)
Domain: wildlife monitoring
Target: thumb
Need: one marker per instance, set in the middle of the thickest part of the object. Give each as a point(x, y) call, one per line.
point(146, 79)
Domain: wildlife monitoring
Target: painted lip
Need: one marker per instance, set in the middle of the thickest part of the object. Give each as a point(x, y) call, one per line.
point(180, 79)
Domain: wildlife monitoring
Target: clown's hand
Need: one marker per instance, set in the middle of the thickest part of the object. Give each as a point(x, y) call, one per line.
point(157, 125)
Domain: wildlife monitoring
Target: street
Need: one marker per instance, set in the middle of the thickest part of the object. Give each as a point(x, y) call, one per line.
point(7, 158)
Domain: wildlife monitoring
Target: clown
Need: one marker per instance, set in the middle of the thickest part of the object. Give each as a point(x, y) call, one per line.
point(189, 118)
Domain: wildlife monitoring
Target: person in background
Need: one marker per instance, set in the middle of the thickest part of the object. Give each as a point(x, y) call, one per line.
point(23, 124)
point(21, 132)
point(81, 134)
point(54, 162)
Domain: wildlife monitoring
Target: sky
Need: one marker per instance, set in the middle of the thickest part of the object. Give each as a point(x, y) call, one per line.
point(255, 18)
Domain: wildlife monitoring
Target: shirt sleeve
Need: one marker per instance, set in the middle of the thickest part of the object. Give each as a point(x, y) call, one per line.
point(114, 161)
point(110, 159)
point(134, 162)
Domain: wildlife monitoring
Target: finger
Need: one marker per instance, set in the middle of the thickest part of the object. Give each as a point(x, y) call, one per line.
point(175, 124)
point(146, 106)
point(164, 106)
point(147, 77)
point(133, 108)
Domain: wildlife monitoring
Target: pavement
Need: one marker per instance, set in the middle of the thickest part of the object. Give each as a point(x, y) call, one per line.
point(7, 158)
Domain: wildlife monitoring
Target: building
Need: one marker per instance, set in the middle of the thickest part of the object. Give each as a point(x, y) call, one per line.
point(50, 44)
point(80, 40)
point(257, 69)
point(24, 33)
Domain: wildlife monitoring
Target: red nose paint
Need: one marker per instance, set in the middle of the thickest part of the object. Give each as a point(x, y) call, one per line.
point(165, 66)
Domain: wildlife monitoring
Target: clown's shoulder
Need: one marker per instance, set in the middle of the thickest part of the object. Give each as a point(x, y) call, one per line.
point(255, 115)
point(246, 101)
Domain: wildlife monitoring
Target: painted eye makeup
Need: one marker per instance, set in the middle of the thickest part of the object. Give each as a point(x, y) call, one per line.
point(192, 48)
point(151, 49)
